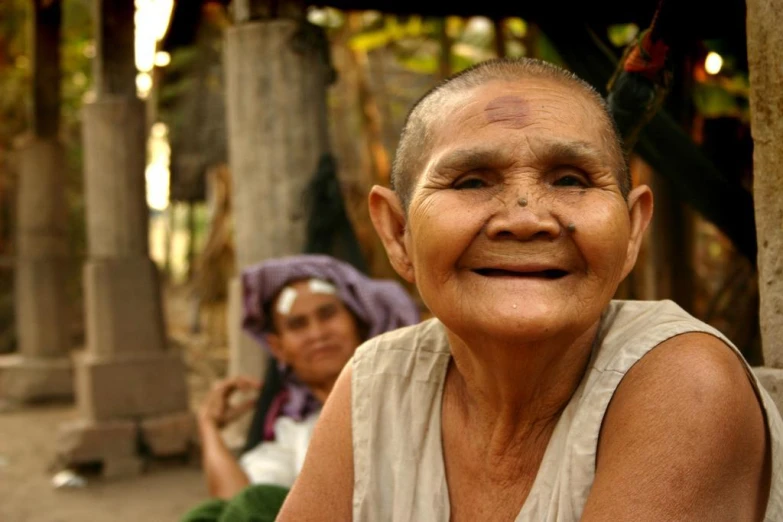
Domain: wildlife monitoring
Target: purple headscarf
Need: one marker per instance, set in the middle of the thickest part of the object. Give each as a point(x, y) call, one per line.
point(381, 305)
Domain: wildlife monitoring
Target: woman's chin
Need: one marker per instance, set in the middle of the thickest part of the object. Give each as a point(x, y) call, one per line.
point(510, 326)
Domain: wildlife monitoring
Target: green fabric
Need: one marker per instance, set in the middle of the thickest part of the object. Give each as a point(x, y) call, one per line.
point(208, 511)
point(257, 503)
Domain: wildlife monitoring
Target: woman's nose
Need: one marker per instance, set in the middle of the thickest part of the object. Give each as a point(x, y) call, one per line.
point(317, 330)
point(524, 216)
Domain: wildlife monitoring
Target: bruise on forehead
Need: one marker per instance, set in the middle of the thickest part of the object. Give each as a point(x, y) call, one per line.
point(510, 111)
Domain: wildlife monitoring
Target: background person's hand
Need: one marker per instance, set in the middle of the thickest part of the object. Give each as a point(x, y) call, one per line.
point(218, 410)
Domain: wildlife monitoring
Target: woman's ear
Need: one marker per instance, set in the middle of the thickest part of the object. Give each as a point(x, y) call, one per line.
point(389, 219)
point(640, 208)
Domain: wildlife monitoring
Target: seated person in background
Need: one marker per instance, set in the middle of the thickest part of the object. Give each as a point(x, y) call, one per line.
point(310, 312)
point(533, 395)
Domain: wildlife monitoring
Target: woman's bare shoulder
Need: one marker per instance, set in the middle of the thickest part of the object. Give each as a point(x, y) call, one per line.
point(684, 438)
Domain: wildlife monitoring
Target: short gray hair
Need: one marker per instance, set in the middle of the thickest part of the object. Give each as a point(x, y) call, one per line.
point(416, 136)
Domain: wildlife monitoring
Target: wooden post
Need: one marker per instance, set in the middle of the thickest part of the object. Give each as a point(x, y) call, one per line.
point(765, 54)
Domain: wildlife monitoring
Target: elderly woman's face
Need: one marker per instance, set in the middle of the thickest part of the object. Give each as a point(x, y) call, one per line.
point(517, 226)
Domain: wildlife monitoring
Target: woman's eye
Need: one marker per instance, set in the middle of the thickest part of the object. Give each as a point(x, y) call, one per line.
point(470, 183)
point(570, 181)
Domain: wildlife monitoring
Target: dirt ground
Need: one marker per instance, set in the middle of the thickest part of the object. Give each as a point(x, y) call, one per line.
point(163, 493)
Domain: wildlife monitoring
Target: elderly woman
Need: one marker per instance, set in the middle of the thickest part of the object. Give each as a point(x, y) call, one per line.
point(531, 395)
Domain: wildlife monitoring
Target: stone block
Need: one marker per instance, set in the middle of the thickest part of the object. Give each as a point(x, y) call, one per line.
point(112, 444)
point(130, 387)
point(772, 381)
point(82, 442)
point(169, 435)
point(27, 379)
point(123, 307)
point(42, 323)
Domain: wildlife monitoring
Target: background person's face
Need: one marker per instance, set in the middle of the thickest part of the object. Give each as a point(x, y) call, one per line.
point(317, 337)
point(486, 264)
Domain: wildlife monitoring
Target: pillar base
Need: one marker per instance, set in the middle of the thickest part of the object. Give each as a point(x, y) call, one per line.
point(122, 447)
point(130, 387)
point(169, 435)
point(772, 381)
point(113, 445)
point(35, 379)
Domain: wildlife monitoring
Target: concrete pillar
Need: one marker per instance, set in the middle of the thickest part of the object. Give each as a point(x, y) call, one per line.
point(276, 78)
point(129, 386)
point(765, 54)
point(41, 370)
point(277, 71)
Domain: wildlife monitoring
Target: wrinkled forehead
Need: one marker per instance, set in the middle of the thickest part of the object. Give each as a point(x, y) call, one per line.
point(531, 117)
point(537, 107)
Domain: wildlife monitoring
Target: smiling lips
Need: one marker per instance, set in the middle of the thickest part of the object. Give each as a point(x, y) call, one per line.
point(323, 350)
point(522, 272)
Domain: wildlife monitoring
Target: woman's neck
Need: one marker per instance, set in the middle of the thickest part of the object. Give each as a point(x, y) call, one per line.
point(321, 391)
point(512, 387)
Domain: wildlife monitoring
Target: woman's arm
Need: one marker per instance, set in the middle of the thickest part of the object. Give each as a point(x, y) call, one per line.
point(225, 477)
point(684, 439)
point(324, 489)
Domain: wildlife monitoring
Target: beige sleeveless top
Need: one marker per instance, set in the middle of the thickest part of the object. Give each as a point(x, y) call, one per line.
point(396, 415)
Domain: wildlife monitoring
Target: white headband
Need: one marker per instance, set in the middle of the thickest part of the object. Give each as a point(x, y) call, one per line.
point(287, 297)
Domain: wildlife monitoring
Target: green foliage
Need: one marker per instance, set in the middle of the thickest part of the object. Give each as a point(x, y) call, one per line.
point(392, 30)
point(622, 34)
point(77, 46)
point(14, 71)
point(416, 41)
point(547, 51)
point(516, 27)
point(723, 97)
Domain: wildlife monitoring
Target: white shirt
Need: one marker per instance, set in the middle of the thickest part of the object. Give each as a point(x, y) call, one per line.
point(280, 461)
point(397, 393)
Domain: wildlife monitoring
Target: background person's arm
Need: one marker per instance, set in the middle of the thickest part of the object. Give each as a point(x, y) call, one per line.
point(225, 477)
point(684, 439)
point(324, 489)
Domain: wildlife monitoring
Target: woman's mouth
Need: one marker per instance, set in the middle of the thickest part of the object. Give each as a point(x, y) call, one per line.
point(550, 273)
